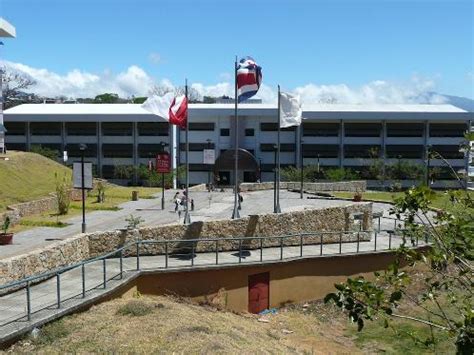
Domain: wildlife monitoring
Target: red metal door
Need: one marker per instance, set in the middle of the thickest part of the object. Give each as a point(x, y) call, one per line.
point(259, 287)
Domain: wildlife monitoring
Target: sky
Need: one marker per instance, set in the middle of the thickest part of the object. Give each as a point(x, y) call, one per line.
point(354, 51)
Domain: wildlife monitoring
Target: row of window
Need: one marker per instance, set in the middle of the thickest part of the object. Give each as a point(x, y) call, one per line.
point(308, 150)
point(310, 129)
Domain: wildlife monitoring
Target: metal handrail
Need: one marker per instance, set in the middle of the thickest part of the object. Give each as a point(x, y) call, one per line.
point(49, 274)
point(27, 282)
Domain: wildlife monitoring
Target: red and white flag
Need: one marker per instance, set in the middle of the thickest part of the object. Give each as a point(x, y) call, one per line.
point(172, 109)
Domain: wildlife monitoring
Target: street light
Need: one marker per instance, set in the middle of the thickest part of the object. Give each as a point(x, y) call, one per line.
point(428, 153)
point(82, 148)
point(276, 203)
point(209, 168)
point(163, 145)
point(302, 170)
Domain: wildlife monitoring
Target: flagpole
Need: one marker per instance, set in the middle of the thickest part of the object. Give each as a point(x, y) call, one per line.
point(277, 208)
point(235, 213)
point(187, 219)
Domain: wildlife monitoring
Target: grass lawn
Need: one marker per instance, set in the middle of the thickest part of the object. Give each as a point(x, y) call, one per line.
point(28, 176)
point(441, 201)
point(114, 196)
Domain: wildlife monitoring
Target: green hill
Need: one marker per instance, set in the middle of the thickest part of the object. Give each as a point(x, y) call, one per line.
point(27, 176)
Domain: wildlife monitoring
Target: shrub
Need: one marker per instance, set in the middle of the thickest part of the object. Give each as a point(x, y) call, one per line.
point(51, 332)
point(135, 308)
point(44, 151)
point(63, 196)
point(340, 174)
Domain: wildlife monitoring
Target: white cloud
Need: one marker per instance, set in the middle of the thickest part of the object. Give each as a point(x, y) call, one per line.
point(135, 81)
point(77, 83)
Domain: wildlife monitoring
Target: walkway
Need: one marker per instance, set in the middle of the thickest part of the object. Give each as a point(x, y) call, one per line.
point(80, 286)
point(214, 206)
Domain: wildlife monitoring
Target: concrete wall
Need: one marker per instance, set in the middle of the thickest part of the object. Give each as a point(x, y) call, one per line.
point(85, 246)
point(291, 281)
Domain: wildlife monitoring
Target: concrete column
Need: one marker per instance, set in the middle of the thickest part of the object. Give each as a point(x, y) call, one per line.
point(426, 134)
point(384, 149)
point(466, 158)
point(63, 137)
point(298, 144)
point(28, 136)
point(341, 144)
point(99, 148)
point(135, 150)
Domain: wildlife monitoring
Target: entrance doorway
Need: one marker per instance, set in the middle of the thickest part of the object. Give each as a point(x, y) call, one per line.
point(250, 176)
point(224, 178)
point(259, 292)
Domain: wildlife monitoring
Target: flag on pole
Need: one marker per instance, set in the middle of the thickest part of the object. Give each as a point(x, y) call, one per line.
point(172, 109)
point(249, 77)
point(290, 110)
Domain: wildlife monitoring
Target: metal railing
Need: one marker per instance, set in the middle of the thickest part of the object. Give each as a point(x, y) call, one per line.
point(137, 256)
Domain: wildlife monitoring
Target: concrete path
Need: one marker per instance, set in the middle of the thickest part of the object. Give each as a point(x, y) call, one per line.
point(214, 206)
point(81, 286)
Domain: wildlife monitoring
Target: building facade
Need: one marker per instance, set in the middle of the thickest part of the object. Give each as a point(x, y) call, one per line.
point(371, 141)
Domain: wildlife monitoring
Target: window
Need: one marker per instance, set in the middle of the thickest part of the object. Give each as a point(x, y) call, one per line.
point(225, 132)
point(117, 129)
point(15, 129)
point(405, 129)
point(320, 129)
point(149, 150)
point(45, 128)
point(117, 150)
point(360, 151)
point(362, 129)
point(81, 128)
point(153, 129)
point(249, 132)
point(447, 129)
point(324, 150)
point(448, 151)
point(196, 147)
point(273, 126)
point(74, 151)
point(201, 126)
point(405, 151)
point(284, 147)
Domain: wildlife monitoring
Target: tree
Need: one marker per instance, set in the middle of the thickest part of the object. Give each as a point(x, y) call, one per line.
point(445, 303)
point(193, 94)
point(106, 98)
point(14, 85)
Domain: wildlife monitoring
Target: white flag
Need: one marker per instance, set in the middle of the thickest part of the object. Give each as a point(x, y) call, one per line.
point(290, 110)
point(159, 105)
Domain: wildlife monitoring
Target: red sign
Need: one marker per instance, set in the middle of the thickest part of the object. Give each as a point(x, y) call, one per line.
point(163, 163)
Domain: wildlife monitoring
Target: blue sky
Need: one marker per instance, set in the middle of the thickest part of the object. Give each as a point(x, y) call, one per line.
point(298, 43)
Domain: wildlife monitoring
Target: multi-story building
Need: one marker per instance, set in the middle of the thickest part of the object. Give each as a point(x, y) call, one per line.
point(331, 136)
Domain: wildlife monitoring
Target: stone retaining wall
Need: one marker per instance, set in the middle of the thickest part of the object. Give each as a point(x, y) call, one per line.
point(91, 245)
point(16, 212)
point(353, 186)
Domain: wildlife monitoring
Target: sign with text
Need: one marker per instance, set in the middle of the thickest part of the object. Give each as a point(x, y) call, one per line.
point(209, 156)
point(77, 175)
point(163, 163)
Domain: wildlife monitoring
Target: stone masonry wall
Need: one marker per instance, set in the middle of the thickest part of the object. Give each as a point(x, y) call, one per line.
point(90, 245)
point(352, 186)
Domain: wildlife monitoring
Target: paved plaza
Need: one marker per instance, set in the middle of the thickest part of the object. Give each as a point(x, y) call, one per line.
point(208, 206)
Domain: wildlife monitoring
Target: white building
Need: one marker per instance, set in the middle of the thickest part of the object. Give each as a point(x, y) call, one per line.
point(332, 135)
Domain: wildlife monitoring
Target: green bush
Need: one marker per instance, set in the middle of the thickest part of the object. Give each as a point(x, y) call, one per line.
point(63, 195)
point(340, 174)
point(44, 151)
point(135, 308)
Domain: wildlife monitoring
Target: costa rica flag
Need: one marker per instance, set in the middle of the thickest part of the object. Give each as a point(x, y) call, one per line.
point(249, 78)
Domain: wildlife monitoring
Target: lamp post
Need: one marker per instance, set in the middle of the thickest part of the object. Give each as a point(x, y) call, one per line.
point(399, 167)
point(301, 170)
point(163, 145)
point(276, 203)
point(209, 170)
point(428, 153)
point(82, 148)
